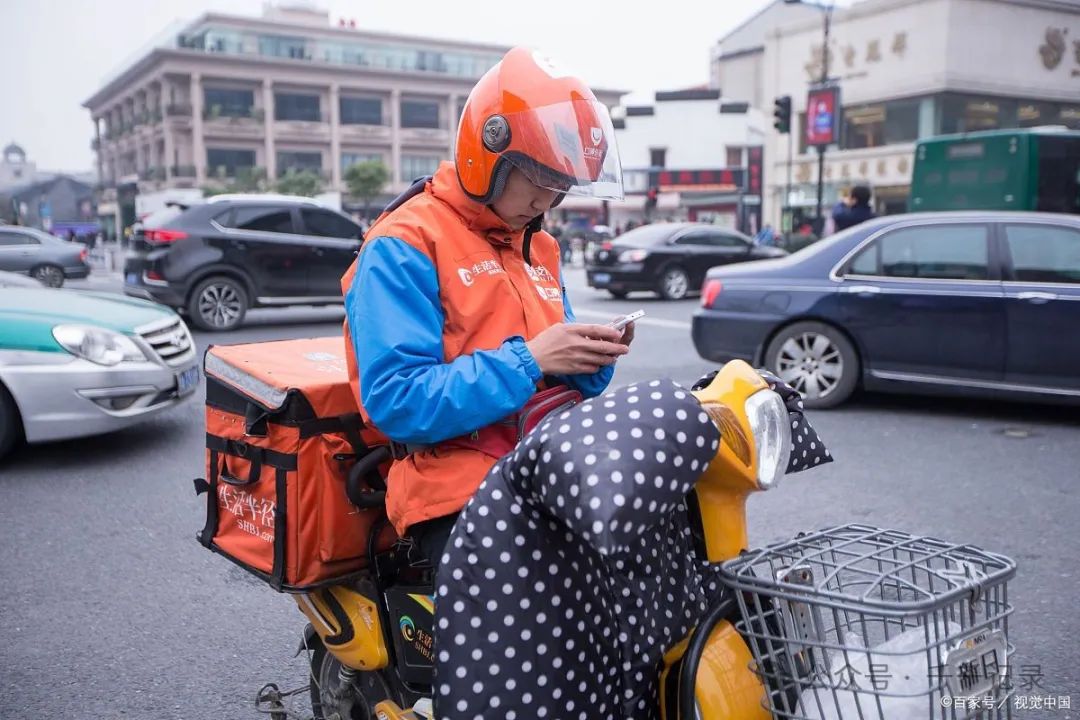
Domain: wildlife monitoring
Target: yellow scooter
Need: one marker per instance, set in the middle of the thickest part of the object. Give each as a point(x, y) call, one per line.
point(819, 627)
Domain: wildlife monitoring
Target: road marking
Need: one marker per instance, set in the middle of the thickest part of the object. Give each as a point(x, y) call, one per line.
point(655, 322)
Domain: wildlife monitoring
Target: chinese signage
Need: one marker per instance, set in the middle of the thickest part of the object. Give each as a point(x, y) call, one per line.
point(823, 115)
point(873, 51)
point(1055, 48)
point(723, 180)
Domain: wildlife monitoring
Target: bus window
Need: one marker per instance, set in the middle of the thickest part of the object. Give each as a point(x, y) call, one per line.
point(1059, 174)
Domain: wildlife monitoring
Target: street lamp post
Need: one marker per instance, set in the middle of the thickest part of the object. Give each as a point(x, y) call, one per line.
point(827, 10)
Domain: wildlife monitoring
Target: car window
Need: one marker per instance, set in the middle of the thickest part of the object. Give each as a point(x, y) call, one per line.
point(697, 237)
point(866, 262)
point(1044, 253)
point(729, 240)
point(939, 252)
point(259, 219)
point(10, 239)
point(327, 224)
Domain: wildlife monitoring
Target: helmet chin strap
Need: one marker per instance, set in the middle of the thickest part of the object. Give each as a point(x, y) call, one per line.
point(531, 229)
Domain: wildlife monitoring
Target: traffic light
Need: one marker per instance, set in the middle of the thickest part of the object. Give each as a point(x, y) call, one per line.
point(782, 114)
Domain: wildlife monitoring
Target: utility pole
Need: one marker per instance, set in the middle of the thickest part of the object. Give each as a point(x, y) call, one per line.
point(821, 148)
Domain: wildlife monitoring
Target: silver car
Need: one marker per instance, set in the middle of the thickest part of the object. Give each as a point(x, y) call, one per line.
point(41, 255)
point(76, 363)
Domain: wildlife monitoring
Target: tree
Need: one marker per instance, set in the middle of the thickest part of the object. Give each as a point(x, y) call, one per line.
point(366, 180)
point(302, 182)
point(247, 180)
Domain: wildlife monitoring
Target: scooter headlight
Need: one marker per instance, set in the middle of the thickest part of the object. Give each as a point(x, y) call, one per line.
point(769, 423)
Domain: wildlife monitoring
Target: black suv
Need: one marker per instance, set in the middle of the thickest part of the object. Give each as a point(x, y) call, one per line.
point(216, 259)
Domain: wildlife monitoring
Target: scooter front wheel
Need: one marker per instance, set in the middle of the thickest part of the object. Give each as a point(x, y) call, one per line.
point(368, 689)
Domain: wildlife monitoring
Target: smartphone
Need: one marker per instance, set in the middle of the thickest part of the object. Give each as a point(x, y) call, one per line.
point(620, 323)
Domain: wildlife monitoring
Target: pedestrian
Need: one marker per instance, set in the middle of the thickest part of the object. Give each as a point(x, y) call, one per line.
point(455, 309)
point(765, 236)
point(853, 209)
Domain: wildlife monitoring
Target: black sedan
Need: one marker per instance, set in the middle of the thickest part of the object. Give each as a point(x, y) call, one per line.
point(981, 303)
point(668, 258)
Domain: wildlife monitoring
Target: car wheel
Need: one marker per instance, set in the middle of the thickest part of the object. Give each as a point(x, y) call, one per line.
point(10, 424)
point(218, 303)
point(618, 294)
point(817, 360)
point(674, 283)
point(51, 275)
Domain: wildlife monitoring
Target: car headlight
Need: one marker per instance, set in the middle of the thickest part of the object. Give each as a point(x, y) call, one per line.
point(632, 256)
point(98, 345)
point(769, 422)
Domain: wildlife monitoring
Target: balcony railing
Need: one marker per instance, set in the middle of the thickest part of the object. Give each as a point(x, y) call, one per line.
point(178, 110)
point(187, 171)
point(153, 173)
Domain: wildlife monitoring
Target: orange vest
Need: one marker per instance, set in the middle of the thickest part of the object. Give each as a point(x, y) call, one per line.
point(488, 294)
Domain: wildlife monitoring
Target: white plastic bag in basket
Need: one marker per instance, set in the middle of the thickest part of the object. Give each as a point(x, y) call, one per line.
point(901, 662)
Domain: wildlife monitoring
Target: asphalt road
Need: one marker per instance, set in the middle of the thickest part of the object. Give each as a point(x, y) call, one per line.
point(110, 609)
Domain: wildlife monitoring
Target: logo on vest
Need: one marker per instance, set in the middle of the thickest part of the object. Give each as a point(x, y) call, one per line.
point(543, 279)
point(484, 267)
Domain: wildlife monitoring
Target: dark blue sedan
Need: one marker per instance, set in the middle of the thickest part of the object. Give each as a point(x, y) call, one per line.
point(958, 303)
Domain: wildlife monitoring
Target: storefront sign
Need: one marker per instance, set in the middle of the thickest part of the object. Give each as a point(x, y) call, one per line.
point(721, 180)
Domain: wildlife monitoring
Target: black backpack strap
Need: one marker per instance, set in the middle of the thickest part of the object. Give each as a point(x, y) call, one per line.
point(277, 575)
point(412, 191)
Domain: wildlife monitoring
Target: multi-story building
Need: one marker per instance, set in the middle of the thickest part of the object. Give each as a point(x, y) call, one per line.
point(907, 69)
point(224, 95)
point(691, 150)
point(285, 91)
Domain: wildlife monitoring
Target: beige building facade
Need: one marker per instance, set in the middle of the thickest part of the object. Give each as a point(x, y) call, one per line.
point(231, 95)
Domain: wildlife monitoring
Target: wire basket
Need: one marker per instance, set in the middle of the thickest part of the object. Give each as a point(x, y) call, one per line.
point(860, 622)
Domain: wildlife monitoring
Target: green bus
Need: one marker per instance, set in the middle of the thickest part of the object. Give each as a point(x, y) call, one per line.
point(1028, 169)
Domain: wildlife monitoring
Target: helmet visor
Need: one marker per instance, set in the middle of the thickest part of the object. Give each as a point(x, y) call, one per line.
point(568, 147)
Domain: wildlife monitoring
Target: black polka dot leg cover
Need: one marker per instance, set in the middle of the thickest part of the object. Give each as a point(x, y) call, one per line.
point(572, 570)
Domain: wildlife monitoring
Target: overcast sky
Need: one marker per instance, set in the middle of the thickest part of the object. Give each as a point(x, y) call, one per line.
point(55, 53)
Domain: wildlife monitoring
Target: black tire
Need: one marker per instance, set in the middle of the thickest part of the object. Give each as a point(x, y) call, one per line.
point(372, 687)
point(618, 294)
point(817, 360)
point(51, 275)
point(218, 304)
point(674, 283)
point(10, 423)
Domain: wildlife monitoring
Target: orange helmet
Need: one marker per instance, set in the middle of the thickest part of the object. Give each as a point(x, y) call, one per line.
point(525, 113)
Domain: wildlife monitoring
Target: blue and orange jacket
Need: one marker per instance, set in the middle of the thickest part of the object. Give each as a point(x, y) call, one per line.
point(439, 305)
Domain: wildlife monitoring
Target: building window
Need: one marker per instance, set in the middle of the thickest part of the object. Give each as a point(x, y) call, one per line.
point(864, 126)
point(228, 103)
point(299, 161)
point(350, 159)
point(969, 113)
point(902, 121)
point(294, 48)
point(658, 157)
point(734, 157)
point(418, 166)
point(225, 162)
point(419, 114)
point(288, 106)
point(361, 111)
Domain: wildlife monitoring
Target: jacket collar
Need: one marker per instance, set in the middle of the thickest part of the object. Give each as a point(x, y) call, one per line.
point(478, 217)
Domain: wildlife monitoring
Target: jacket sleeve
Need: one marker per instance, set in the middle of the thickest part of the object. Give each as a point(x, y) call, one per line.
point(409, 391)
point(589, 385)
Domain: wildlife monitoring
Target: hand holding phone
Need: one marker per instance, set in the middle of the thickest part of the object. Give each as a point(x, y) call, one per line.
point(620, 323)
